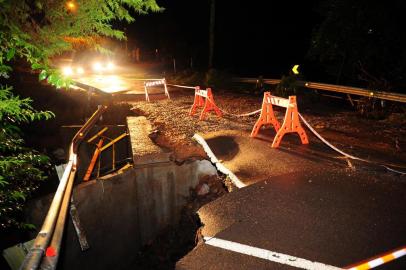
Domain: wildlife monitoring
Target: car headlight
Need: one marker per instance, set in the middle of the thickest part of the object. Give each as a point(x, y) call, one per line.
point(97, 66)
point(110, 66)
point(67, 71)
point(80, 70)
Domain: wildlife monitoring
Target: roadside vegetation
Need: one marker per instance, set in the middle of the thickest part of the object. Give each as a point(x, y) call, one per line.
point(34, 32)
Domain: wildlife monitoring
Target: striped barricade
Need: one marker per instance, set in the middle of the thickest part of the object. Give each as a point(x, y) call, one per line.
point(290, 124)
point(205, 99)
point(155, 83)
point(379, 260)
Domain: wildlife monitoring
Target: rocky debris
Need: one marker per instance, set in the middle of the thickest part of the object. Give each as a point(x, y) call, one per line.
point(171, 118)
point(176, 241)
point(202, 189)
point(379, 140)
point(211, 184)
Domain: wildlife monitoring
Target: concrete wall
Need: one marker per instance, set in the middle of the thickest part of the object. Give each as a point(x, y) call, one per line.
point(124, 212)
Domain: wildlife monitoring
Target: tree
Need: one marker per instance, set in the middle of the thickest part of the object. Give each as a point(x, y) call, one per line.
point(35, 31)
point(21, 169)
point(362, 42)
point(211, 31)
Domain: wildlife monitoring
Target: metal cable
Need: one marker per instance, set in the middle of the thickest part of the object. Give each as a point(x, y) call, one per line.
point(344, 153)
point(241, 115)
point(182, 86)
point(314, 132)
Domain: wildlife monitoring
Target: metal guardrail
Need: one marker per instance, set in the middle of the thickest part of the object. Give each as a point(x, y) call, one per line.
point(398, 97)
point(52, 229)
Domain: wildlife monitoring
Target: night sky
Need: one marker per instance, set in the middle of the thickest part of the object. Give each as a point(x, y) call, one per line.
point(251, 37)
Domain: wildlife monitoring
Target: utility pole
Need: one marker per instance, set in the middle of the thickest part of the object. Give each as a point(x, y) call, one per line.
point(211, 34)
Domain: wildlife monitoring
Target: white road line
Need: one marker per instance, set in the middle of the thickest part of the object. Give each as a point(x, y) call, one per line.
point(237, 182)
point(268, 255)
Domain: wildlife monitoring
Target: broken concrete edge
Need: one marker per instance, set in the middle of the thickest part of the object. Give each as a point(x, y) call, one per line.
point(237, 182)
point(144, 150)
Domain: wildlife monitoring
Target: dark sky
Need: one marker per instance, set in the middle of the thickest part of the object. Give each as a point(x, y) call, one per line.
point(251, 37)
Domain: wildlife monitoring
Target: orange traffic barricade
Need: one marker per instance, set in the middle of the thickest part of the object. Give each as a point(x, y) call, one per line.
point(379, 260)
point(290, 124)
point(205, 99)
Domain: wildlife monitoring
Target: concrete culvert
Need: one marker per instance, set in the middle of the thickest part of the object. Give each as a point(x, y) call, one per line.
point(124, 214)
point(142, 218)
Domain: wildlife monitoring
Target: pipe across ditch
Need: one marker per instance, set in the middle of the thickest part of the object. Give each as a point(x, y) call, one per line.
point(53, 226)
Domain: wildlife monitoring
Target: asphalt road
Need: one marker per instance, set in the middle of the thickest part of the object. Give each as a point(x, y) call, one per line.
point(124, 79)
point(330, 217)
point(301, 201)
point(253, 159)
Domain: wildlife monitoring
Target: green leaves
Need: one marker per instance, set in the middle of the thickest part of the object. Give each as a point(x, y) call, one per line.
point(3, 182)
point(43, 75)
point(35, 66)
point(52, 79)
point(35, 31)
point(21, 169)
point(59, 81)
point(27, 226)
point(14, 110)
point(18, 195)
point(10, 54)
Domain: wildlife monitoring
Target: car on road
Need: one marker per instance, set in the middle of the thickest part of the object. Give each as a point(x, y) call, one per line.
point(86, 62)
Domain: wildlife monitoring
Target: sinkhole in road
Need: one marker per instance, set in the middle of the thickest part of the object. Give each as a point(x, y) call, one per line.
point(143, 218)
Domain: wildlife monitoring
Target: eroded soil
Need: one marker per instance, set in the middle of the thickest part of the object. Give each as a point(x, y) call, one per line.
point(378, 140)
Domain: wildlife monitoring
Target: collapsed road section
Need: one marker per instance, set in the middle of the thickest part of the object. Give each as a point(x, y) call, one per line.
point(125, 210)
point(306, 199)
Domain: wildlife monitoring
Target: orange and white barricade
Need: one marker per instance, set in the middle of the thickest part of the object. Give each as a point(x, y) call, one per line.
point(155, 83)
point(290, 124)
point(379, 260)
point(205, 99)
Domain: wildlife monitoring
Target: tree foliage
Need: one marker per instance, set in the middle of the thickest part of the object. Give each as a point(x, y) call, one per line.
point(35, 31)
point(38, 30)
point(362, 42)
point(20, 167)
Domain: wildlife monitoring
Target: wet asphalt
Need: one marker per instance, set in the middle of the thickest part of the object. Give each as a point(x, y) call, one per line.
point(302, 201)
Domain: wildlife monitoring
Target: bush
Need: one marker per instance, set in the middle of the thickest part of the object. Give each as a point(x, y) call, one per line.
point(21, 169)
point(288, 86)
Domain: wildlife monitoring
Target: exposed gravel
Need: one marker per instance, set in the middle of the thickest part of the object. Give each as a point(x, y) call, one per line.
point(176, 127)
point(379, 139)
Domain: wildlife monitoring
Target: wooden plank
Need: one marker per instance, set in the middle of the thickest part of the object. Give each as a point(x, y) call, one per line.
point(113, 141)
point(93, 161)
point(97, 135)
